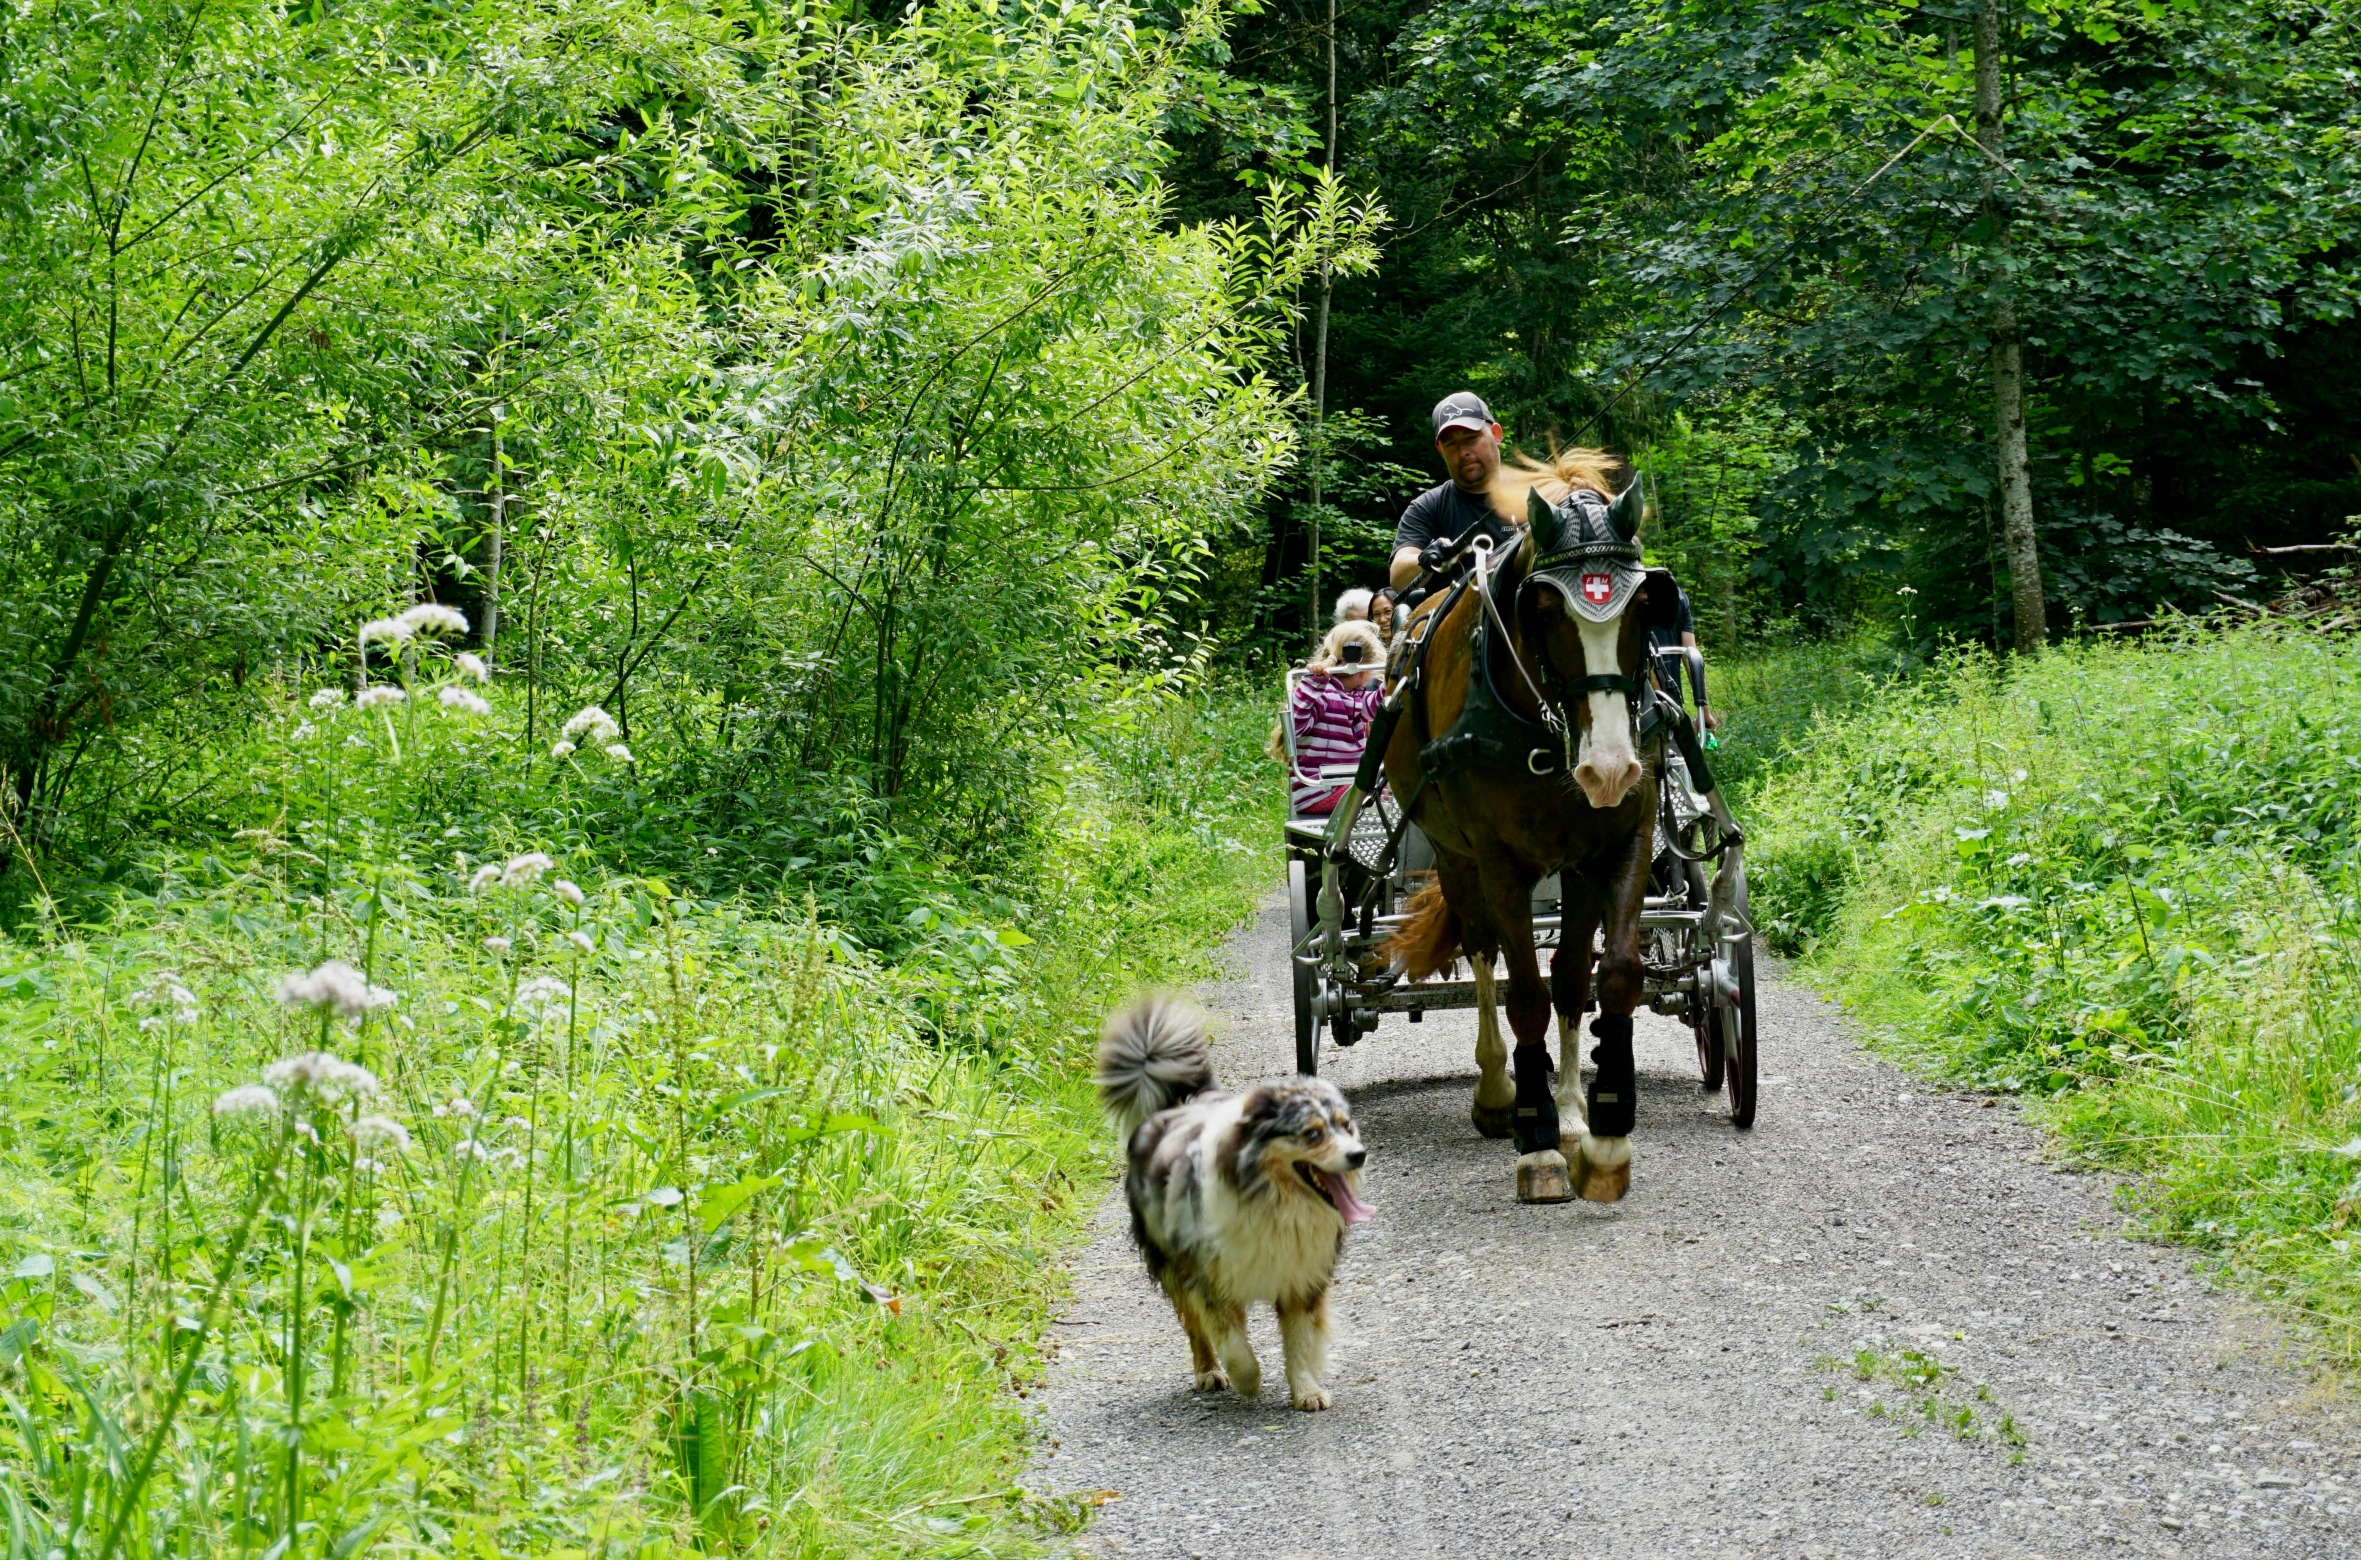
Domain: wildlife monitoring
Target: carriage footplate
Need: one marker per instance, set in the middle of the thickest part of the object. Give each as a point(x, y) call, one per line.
point(1541, 1168)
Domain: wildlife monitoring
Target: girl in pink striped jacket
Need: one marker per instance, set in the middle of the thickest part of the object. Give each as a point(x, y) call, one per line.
point(1342, 687)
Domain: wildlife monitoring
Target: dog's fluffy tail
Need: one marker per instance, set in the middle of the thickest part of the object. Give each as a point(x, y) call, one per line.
point(1152, 1056)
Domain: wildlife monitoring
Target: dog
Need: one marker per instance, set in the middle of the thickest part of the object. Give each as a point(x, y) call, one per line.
point(1235, 1198)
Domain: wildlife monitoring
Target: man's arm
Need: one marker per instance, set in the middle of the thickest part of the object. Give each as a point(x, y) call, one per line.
point(1405, 567)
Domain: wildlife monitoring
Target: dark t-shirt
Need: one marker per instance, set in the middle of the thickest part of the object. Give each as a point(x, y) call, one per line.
point(1442, 512)
point(1670, 639)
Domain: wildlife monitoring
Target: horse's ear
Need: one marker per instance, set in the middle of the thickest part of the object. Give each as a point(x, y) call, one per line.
point(1541, 517)
point(1660, 602)
point(1624, 514)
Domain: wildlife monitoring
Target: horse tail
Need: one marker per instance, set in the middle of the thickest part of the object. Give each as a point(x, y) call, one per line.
point(1428, 939)
point(1556, 474)
point(1152, 1056)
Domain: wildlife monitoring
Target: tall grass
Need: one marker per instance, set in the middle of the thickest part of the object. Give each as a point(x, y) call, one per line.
point(2121, 879)
point(610, 1220)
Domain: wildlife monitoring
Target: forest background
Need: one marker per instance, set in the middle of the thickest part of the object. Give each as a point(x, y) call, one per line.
point(725, 563)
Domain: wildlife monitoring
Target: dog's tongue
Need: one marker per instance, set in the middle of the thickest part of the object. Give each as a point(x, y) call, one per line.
point(1348, 1207)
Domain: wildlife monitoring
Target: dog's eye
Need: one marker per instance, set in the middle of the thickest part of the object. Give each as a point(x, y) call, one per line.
point(1314, 1132)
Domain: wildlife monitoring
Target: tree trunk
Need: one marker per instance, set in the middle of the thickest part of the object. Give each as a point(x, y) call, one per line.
point(1320, 352)
point(2008, 357)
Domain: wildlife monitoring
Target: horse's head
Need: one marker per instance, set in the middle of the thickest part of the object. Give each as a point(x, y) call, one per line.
point(1586, 605)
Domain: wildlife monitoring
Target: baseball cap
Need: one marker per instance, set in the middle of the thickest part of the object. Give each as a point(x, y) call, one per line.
point(1464, 410)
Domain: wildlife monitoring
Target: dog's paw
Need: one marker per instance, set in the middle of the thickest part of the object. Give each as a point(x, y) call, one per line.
point(1212, 1381)
point(1311, 1399)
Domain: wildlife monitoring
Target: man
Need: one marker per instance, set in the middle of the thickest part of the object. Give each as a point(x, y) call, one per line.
point(1469, 441)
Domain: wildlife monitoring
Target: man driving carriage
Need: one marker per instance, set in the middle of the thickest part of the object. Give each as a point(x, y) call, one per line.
point(1436, 526)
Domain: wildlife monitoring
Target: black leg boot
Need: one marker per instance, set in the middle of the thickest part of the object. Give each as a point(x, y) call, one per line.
point(1614, 1089)
point(1536, 1111)
point(1541, 1169)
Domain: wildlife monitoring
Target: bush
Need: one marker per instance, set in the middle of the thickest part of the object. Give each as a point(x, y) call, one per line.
point(2123, 878)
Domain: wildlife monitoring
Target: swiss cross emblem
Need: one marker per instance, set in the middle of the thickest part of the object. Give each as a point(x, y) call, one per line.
point(1598, 588)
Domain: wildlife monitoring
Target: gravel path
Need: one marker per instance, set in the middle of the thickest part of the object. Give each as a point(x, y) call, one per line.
point(1681, 1373)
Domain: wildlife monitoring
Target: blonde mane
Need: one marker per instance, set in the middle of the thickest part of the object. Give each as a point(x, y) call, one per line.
point(1556, 475)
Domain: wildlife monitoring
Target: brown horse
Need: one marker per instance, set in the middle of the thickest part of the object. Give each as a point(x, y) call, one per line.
point(1544, 774)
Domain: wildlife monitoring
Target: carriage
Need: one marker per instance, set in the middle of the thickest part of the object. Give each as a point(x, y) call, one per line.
point(1344, 905)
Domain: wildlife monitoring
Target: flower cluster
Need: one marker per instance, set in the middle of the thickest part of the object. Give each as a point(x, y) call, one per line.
point(165, 990)
point(335, 987)
point(321, 1076)
point(382, 693)
point(455, 697)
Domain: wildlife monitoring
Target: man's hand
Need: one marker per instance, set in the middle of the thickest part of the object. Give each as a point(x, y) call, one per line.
point(1438, 553)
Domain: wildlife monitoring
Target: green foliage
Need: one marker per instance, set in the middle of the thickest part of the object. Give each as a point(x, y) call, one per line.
point(2121, 878)
point(666, 1222)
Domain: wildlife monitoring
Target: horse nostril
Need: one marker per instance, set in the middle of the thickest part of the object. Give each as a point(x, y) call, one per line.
point(1357, 1158)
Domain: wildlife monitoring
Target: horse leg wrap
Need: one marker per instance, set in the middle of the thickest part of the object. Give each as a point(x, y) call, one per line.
point(1614, 1089)
point(1536, 1113)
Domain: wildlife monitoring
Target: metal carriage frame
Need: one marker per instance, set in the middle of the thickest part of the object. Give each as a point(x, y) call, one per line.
point(1343, 906)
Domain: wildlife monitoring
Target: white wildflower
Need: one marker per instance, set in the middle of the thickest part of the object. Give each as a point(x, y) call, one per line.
point(383, 693)
point(561, 750)
point(473, 666)
point(458, 1105)
point(248, 1100)
point(569, 892)
point(524, 869)
point(542, 991)
point(581, 940)
point(335, 985)
point(316, 1072)
point(150, 1024)
point(327, 698)
point(392, 631)
point(497, 945)
point(430, 617)
point(303, 733)
point(618, 752)
point(381, 1132)
point(485, 876)
point(455, 697)
point(595, 722)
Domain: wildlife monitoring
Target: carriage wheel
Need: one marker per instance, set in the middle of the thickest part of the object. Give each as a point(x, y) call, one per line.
point(1299, 926)
point(1740, 1059)
point(1709, 1050)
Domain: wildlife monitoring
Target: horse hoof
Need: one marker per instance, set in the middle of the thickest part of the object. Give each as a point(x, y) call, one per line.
point(1541, 1177)
point(1494, 1121)
point(1212, 1381)
point(1602, 1169)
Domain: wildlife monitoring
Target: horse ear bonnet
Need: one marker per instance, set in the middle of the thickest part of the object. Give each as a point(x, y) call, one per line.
point(1588, 550)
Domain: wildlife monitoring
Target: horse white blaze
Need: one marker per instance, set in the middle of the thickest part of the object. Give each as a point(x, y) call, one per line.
point(1606, 767)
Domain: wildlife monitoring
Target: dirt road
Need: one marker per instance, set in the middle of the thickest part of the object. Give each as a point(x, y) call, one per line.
point(1879, 1324)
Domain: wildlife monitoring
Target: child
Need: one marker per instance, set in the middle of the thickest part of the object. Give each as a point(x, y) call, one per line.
point(1340, 690)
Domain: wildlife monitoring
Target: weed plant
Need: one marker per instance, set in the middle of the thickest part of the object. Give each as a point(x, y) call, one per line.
point(483, 1203)
point(2121, 879)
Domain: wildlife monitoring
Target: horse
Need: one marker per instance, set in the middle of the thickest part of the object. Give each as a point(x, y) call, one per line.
point(1521, 757)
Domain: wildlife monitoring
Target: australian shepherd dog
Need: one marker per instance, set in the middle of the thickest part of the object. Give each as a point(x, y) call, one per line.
point(1235, 1198)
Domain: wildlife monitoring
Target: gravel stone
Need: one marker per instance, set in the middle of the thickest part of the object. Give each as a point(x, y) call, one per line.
point(1676, 1374)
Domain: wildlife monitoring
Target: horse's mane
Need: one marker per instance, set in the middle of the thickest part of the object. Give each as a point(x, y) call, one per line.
point(1556, 475)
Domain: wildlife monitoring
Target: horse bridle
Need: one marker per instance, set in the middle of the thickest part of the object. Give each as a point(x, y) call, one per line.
point(1556, 715)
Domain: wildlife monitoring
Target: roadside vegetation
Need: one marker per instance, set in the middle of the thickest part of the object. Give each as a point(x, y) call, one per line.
point(485, 1200)
point(2121, 880)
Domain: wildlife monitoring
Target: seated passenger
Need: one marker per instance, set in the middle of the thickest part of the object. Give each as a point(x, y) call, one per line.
point(1340, 690)
point(1352, 607)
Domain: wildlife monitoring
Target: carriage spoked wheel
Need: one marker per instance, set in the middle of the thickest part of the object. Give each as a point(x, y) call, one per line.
point(1733, 1026)
point(1299, 926)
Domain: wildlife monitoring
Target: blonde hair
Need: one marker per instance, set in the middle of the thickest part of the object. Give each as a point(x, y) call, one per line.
point(1330, 656)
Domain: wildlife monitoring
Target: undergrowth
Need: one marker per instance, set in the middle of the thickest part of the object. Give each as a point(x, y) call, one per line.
point(355, 1199)
point(2122, 880)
